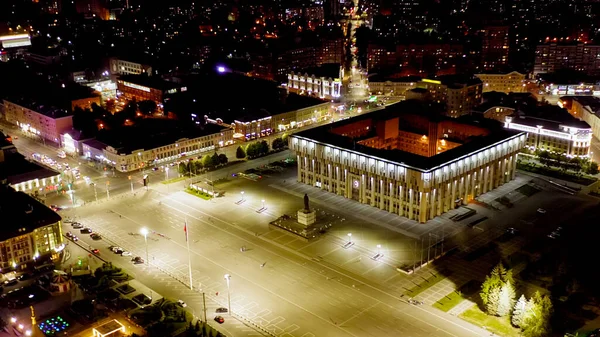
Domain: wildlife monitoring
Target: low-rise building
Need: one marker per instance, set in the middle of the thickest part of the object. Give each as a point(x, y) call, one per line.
point(24, 175)
point(44, 122)
point(153, 142)
point(460, 94)
point(298, 111)
point(324, 82)
point(143, 88)
point(503, 82)
point(587, 108)
point(553, 129)
point(31, 231)
point(381, 85)
point(121, 67)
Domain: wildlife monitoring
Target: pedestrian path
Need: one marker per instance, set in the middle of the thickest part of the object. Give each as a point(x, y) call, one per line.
point(461, 307)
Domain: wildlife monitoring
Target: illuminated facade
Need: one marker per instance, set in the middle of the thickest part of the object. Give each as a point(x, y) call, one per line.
point(392, 86)
point(324, 82)
point(494, 49)
point(48, 125)
point(551, 57)
point(124, 67)
point(407, 162)
point(252, 128)
point(572, 139)
point(506, 83)
point(587, 109)
point(142, 88)
point(128, 161)
point(32, 231)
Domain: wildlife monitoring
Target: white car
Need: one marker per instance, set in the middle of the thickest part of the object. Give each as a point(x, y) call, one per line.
point(126, 253)
point(541, 211)
point(181, 303)
point(116, 249)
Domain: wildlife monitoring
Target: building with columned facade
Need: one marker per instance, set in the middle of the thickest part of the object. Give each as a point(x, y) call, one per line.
point(408, 159)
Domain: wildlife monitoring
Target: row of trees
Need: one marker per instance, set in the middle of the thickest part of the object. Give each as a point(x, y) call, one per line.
point(499, 299)
point(204, 163)
point(562, 162)
point(261, 148)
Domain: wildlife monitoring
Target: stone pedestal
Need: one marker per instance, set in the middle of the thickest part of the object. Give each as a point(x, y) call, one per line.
point(307, 217)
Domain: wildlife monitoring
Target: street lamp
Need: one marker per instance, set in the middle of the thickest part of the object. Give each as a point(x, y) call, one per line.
point(242, 193)
point(228, 279)
point(166, 173)
point(378, 249)
point(263, 203)
point(144, 232)
point(349, 238)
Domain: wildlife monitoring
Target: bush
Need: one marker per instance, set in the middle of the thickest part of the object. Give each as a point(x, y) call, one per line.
point(240, 153)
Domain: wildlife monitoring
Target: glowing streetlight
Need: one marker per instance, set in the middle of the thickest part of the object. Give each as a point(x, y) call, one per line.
point(378, 249)
point(13, 320)
point(242, 193)
point(350, 238)
point(144, 232)
point(263, 203)
point(166, 173)
point(228, 279)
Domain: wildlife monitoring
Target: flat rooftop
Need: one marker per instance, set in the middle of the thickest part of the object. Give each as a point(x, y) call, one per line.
point(416, 118)
point(153, 133)
point(17, 170)
point(403, 79)
point(591, 101)
point(50, 100)
point(211, 95)
point(21, 213)
point(550, 117)
point(154, 82)
point(327, 70)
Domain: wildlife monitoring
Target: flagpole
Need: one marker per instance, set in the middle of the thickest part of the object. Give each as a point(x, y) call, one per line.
point(187, 241)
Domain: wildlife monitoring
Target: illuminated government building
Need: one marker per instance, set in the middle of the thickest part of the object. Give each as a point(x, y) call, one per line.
point(408, 159)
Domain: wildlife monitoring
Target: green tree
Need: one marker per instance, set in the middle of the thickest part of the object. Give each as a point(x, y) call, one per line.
point(538, 311)
point(592, 168)
point(518, 314)
point(251, 150)
point(223, 159)
point(263, 148)
point(206, 161)
point(507, 299)
point(277, 144)
point(214, 160)
point(183, 168)
point(240, 153)
point(491, 291)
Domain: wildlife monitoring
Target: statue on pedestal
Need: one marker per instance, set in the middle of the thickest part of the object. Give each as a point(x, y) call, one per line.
point(306, 205)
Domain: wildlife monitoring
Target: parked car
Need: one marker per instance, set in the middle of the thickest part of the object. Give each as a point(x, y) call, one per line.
point(96, 251)
point(11, 282)
point(219, 319)
point(541, 211)
point(69, 234)
point(137, 260)
point(95, 236)
point(86, 230)
point(55, 208)
point(181, 303)
point(77, 225)
point(512, 230)
point(221, 310)
point(126, 253)
point(74, 238)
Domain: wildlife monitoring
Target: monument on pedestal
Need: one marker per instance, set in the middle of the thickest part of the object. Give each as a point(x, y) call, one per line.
point(306, 216)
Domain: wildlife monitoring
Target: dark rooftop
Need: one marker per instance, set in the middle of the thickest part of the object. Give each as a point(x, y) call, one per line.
point(254, 99)
point(457, 81)
point(153, 133)
point(154, 82)
point(52, 100)
point(324, 134)
point(21, 213)
point(383, 78)
point(327, 70)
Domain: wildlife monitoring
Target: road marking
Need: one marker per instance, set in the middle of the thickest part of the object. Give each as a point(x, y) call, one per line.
point(466, 328)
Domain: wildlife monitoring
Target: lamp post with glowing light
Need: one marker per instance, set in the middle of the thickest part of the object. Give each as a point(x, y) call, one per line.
point(144, 232)
point(349, 238)
point(228, 279)
point(242, 193)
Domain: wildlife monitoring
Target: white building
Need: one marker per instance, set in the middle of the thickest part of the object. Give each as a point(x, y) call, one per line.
point(47, 123)
point(125, 67)
point(503, 82)
point(323, 82)
point(407, 163)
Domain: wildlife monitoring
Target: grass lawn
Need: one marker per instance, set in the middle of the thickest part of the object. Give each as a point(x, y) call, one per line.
point(416, 290)
point(555, 173)
point(498, 325)
point(449, 301)
point(174, 180)
point(198, 194)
